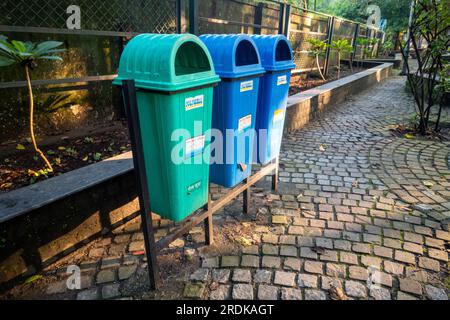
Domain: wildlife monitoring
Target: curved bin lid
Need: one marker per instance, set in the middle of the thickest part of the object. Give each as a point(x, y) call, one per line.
point(234, 55)
point(169, 62)
point(275, 52)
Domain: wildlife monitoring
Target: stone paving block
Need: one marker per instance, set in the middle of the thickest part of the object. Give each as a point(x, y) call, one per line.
point(371, 261)
point(110, 262)
point(111, 291)
point(311, 294)
point(336, 270)
point(410, 286)
point(324, 243)
point(444, 235)
point(343, 245)
point(254, 249)
point(271, 262)
point(96, 252)
point(136, 246)
point(429, 264)
point(296, 230)
point(329, 255)
point(352, 236)
point(329, 282)
point(230, 261)
point(201, 274)
point(413, 237)
point(392, 233)
point(379, 293)
point(393, 267)
point(280, 220)
point(270, 249)
point(355, 289)
point(283, 278)
point(380, 278)
point(362, 248)
point(423, 230)
point(105, 276)
point(89, 294)
point(313, 267)
point(306, 252)
point(242, 275)
point(220, 275)
point(194, 290)
point(266, 292)
point(212, 262)
point(334, 234)
point(434, 293)
point(438, 254)
point(435, 243)
point(262, 276)
point(305, 241)
point(221, 293)
point(293, 264)
point(288, 239)
point(413, 247)
point(291, 294)
point(250, 261)
point(404, 296)
point(242, 292)
point(289, 251)
point(372, 238)
point(347, 257)
point(269, 238)
point(358, 273)
point(126, 271)
point(383, 252)
point(392, 243)
point(307, 280)
point(405, 257)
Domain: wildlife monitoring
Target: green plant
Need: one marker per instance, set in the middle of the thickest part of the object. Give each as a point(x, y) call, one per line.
point(430, 22)
point(387, 47)
point(26, 54)
point(342, 46)
point(317, 49)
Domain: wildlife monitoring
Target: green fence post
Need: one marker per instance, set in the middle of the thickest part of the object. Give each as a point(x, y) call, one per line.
point(287, 20)
point(281, 18)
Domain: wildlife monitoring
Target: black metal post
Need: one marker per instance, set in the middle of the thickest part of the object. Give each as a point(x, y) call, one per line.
point(193, 17)
point(281, 18)
point(179, 14)
point(258, 17)
point(329, 41)
point(208, 223)
point(275, 176)
point(287, 20)
point(355, 41)
point(246, 198)
point(129, 94)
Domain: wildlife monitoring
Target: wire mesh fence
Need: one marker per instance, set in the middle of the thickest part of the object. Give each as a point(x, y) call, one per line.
point(119, 17)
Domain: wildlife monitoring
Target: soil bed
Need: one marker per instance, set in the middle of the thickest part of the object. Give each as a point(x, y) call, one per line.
point(24, 167)
point(303, 82)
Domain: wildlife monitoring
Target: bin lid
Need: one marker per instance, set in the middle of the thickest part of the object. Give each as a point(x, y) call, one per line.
point(166, 62)
point(234, 55)
point(275, 51)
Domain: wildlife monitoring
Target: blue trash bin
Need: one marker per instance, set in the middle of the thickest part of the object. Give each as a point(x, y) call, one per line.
point(237, 62)
point(276, 58)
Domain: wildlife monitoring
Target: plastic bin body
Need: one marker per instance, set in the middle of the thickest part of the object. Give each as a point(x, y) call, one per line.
point(174, 77)
point(237, 62)
point(277, 60)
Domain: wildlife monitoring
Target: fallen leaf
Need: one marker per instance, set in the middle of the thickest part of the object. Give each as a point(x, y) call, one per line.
point(408, 136)
point(61, 148)
point(245, 242)
point(428, 183)
point(33, 278)
point(322, 147)
point(20, 147)
point(6, 185)
point(336, 293)
point(85, 158)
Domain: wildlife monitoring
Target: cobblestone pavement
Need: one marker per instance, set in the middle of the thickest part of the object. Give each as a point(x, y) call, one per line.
point(360, 214)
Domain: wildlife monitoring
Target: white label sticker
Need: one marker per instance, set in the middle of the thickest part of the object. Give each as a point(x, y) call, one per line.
point(193, 102)
point(194, 146)
point(245, 122)
point(281, 80)
point(247, 86)
point(278, 115)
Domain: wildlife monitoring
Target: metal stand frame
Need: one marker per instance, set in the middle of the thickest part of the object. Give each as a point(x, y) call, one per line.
point(204, 215)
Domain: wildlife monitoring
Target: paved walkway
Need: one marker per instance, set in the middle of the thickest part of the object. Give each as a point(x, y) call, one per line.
point(361, 214)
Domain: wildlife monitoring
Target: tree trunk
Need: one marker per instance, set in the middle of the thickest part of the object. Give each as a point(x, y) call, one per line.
point(31, 104)
point(318, 67)
point(339, 65)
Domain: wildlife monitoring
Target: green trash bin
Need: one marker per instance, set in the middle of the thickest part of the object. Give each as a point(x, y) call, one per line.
point(174, 78)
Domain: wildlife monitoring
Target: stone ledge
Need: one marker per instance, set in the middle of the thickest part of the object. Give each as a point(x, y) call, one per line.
point(29, 198)
point(308, 105)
